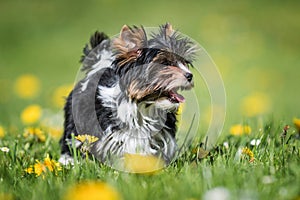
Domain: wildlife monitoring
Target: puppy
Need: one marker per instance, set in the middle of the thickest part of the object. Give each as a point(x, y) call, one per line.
point(128, 100)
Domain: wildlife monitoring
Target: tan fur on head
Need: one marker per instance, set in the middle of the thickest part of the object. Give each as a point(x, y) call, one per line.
point(129, 43)
point(150, 69)
point(169, 29)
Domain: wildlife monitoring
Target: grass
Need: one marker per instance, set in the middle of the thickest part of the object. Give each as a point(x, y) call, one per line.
point(256, 47)
point(274, 174)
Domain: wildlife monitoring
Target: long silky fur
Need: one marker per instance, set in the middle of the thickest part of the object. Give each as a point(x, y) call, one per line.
point(127, 81)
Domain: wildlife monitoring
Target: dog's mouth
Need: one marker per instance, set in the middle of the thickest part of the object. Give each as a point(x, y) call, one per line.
point(172, 95)
point(175, 97)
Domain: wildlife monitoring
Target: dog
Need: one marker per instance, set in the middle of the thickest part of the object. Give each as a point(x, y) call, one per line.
point(128, 100)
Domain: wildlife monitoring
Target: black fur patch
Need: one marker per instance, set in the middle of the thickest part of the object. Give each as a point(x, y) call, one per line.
point(105, 114)
point(94, 97)
point(95, 40)
point(69, 126)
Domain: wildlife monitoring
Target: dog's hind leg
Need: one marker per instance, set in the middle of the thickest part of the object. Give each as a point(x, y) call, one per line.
point(69, 129)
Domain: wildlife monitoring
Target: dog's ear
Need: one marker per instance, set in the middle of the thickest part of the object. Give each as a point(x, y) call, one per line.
point(130, 41)
point(168, 30)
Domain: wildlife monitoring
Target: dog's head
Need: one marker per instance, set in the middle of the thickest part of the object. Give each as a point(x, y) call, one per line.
point(153, 70)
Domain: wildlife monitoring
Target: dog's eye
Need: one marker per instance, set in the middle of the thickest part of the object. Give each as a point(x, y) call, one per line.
point(167, 63)
point(138, 52)
point(189, 64)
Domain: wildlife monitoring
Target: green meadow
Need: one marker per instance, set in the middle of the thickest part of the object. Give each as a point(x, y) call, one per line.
point(254, 44)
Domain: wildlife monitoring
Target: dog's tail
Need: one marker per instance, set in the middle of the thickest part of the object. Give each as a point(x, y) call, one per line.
point(96, 51)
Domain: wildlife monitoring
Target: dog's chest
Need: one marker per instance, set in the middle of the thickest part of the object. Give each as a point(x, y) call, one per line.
point(142, 119)
point(129, 127)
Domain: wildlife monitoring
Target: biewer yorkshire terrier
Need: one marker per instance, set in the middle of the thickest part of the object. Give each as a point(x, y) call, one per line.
point(128, 100)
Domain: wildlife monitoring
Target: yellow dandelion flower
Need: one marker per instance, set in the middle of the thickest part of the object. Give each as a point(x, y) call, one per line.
point(40, 134)
point(92, 190)
point(39, 168)
point(297, 123)
point(248, 152)
point(51, 164)
point(255, 104)
point(48, 163)
point(27, 86)
point(240, 130)
point(179, 114)
point(180, 109)
point(137, 163)
point(87, 138)
point(2, 132)
point(31, 114)
point(56, 165)
point(29, 170)
point(28, 132)
point(60, 94)
point(36, 132)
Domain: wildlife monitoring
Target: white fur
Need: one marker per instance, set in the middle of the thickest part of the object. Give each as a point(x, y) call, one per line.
point(131, 141)
point(84, 85)
point(66, 159)
point(105, 61)
point(144, 128)
point(165, 104)
point(183, 67)
point(127, 111)
point(109, 95)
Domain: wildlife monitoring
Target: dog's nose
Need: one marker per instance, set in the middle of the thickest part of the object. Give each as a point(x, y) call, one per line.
point(189, 76)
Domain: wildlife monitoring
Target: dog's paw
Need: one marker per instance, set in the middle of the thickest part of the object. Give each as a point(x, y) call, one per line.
point(66, 159)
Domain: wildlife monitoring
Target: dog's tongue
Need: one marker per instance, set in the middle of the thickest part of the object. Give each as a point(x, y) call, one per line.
point(175, 96)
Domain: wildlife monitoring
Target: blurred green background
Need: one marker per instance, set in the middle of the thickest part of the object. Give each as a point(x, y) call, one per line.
point(255, 45)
